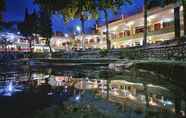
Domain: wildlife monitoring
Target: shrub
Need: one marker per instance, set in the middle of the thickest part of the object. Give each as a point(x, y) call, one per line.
point(103, 52)
point(128, 54)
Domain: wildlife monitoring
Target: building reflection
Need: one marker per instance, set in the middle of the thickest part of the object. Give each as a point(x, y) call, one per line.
point(138, 96)
point(123, 92)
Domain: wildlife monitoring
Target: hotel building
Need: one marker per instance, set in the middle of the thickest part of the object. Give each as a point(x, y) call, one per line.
point(13, 42)
point(128, 31)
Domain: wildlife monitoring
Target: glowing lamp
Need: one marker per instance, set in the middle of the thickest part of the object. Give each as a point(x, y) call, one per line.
point(78, 28)
point(77, 98)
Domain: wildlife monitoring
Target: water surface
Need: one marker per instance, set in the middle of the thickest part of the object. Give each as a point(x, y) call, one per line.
point(130, 93)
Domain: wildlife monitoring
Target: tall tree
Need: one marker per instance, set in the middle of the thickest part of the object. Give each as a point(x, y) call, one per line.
point(48, 7)
point(94, 6)
point(114, 5)
point(177, 26)
point(45, 28)
point(147, 5)
point(2, 7)
point(145, 22)
point(29, 27)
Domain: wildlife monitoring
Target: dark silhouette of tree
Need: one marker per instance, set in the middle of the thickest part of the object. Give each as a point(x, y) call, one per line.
point(145, 23)
point(45, 27)
point(29, 27)
point(2, 7)
point(177, 25)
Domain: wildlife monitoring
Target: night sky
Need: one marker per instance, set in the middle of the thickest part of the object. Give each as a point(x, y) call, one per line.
point(15, 10)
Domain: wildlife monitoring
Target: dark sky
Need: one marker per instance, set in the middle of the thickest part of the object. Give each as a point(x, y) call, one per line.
point(15, 10)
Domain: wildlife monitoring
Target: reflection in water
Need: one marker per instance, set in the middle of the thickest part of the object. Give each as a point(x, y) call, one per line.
point(132, 97)
point(121, 91)
point(129, 95)
point(8, 88)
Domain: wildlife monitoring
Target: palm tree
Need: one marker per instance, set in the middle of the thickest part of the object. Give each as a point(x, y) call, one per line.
point(105, 5)
point(177, 20)
point(145, 23)
point(147, 5)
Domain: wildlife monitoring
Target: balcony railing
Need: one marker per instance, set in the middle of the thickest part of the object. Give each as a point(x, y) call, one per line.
point(150, 33)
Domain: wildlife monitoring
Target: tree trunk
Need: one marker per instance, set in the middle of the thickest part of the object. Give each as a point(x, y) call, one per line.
point(145, 24)
point(108, 89)
point(147, 100)
point(50, 48)
point(30, 47)
point(107, 30)
point(177, 21)
point(184, 15)
point(6, 46)
point(82, 30)
point(177, 105)
point(30, 73)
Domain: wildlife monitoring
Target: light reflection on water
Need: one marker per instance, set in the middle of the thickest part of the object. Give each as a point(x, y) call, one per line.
point(122, 92)
point(137, 96)
point(8, 88)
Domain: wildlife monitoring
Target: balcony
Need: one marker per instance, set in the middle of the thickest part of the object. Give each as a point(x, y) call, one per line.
point(150, 33)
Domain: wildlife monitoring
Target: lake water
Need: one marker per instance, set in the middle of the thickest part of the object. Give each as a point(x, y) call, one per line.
point(25, 90)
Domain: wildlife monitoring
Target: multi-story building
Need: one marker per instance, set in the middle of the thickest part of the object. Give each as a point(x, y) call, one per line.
point(87, 41)
point(15, 42)
point(128, 31)
point(61, 42)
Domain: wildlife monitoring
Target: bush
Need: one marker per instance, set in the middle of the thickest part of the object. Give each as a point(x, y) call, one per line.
point(103, 52)
point(128, 54)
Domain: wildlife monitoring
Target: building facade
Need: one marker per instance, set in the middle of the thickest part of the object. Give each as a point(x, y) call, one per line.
point(128, 31)
point(13, 42)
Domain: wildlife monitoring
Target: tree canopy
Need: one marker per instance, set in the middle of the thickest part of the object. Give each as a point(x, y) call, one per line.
point(2, 7)
point(45, 25)
point(75, 8)
point(29, 26)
